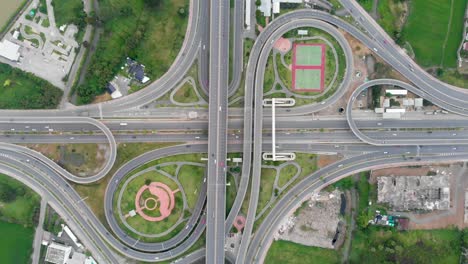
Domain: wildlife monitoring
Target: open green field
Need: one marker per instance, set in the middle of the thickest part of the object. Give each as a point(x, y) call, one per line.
point(308, 55)
point(434, 30)
point(191, 178)
point(308, 78)
point(69, 12)
point(381, 245)
point(149, 32)
point(15, 243)
point(18, 203)
point(22, 90)
point(284, 252)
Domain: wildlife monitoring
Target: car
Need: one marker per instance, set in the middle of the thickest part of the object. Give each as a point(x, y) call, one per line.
point(379, 124)
point(341, 165)
point(454, 134)
point(385, 152)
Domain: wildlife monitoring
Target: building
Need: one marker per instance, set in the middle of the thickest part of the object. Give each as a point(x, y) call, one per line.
point(408, 102)
point(137, 71)
point(113, 91)
point(418, 102)
point(395, 110)
point(9, 50)
point(396, 92)
point(266, 6)
point(386, 103)
point(58, 254)
point(465, 46)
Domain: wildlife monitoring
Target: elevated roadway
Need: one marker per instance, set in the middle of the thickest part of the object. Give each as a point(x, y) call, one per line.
point(217, 130)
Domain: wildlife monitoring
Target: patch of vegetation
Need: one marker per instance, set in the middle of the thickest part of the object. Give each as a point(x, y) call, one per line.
point(231, 192)
point(386, 245)
point(427, 30)
point(391, 13)
point(45, 23)
point(15, 243)
point(366, 4)
point(22, 90)
point(288, 252)
point(186, 94)
point(286, 174)
point(191, 178)
point(70, 12)
point(266, 187)
point(150, 31)
point(18, 203)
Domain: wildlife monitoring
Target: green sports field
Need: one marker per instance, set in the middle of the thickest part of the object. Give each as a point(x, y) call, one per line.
point(308, 79)
point(308, 55)
point(434, 30)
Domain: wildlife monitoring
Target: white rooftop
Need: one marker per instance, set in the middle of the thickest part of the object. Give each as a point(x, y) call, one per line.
point(57, 254)
point(397, 91)
point(9, 50)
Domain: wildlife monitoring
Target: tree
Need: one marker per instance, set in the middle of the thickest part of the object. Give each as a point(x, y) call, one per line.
point(153, 3)
point(147, 182)
point(258, 2)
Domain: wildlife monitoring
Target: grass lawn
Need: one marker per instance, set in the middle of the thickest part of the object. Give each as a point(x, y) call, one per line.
point(151, 34)
point(428, 31)
point(186, 94)
point(22, 204)
point(269, 77)
point(286, 174)
point(191, 179)
point(283, 252)
point(266, 187)
point(68, 12)
point(15, 243)
point(21, 90)
point(382, 245)
point(231, 192)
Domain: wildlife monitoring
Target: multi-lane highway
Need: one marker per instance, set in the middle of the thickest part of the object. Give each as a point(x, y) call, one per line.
point(217, 130)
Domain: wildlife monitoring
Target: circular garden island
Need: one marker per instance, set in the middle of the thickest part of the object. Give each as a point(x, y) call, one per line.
point(154, 202)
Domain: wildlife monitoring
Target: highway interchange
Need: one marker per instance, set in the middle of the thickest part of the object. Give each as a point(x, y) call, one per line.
point(219, 130)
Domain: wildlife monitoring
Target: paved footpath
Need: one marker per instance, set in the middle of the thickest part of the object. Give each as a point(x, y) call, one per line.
point(39, 232)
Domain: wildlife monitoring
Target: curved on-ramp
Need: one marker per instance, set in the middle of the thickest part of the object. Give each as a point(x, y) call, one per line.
point(65, 120)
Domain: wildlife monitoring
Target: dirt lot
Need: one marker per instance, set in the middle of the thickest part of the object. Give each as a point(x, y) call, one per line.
point(324, 160)
point(80, 159)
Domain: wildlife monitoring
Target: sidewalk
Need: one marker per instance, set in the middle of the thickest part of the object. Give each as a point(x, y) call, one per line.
point(39, 232)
